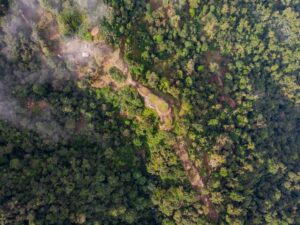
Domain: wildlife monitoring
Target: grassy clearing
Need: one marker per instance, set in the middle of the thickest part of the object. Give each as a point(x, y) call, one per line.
point(168, 124)
point(161, 105)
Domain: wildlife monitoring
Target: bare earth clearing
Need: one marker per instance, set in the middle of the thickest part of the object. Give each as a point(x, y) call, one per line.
point(83, 54)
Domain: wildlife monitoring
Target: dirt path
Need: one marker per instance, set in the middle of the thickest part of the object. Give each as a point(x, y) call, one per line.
point(112, 59)
point(164, 111)
point(98, 58)
point(218, 77)
point(192, 172)
point(106, 58)
point(165, 114)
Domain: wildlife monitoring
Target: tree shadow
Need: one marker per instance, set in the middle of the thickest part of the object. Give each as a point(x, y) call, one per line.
point(277, 144)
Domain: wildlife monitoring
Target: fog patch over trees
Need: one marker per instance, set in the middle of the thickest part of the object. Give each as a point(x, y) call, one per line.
point(44, 124)
point(25, 64)
point(96, 9)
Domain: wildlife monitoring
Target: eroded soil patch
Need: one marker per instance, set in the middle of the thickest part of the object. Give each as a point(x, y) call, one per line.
point(197, 182)
point(214, 59)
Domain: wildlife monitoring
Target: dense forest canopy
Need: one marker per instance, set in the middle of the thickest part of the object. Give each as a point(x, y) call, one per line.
point(150, 112)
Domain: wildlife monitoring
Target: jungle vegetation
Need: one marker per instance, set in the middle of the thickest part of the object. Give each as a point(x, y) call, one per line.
point(228, 71)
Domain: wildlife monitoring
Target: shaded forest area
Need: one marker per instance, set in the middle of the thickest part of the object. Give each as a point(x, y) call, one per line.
point(72, 152)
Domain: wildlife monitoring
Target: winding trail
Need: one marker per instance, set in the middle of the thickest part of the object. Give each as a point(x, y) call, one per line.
point(106, 58)
point(98, 58)
point(114, 59)
point(152, 101)
point(194, 177)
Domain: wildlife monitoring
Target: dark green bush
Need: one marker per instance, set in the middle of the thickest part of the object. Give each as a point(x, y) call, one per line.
point(117, 75)
point(70, 21)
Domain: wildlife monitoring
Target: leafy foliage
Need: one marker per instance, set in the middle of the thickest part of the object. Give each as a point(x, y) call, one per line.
point(230, 72)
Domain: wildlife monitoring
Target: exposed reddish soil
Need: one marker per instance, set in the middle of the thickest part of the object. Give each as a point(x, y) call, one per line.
point(141, 154)
point(218, 80)
point(197, 182)
point(165, 117)
point(207, 166)
point(95, 31)
point(43, 104)
point(213, 214)
point(218, 77)
point(228, 100)
point(231, 102)
point(80, 125)
point(32, 104)
point(155, 4)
